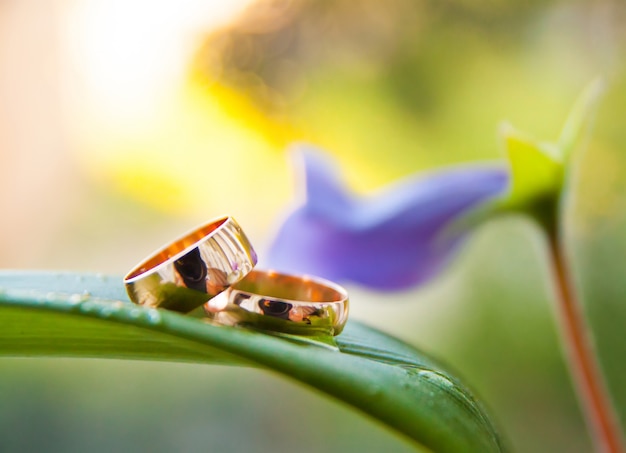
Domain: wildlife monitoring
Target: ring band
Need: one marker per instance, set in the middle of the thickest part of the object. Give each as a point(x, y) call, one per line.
point(194, 268)
point(294, 304)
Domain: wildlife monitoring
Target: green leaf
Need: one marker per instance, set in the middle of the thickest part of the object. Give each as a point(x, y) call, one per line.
point(537, 169)
point(79, 315)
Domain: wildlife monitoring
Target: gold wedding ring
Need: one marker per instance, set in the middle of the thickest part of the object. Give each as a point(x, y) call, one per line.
point(194, 268)
point(274, 301)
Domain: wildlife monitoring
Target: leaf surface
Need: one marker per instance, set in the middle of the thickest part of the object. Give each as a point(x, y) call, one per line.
point(83, 315)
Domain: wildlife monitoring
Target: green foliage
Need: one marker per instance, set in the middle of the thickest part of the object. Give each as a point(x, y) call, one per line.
point(536, 178)
point(538, 169)
point(78, 315)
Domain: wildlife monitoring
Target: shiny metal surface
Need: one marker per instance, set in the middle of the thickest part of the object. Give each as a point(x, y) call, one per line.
point(194, 268)
point(271, 300)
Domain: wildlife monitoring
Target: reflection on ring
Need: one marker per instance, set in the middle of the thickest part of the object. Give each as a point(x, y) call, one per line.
point(293, 304)
point(194, 268)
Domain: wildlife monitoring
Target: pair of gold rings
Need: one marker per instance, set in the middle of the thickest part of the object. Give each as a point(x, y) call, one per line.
point(213, 266)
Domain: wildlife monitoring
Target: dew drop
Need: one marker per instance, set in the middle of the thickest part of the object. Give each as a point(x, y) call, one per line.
point(134, 313)
point(154, 317)
point(87, 306)
point(438, 379)
point(106, 311)
point(75, 299)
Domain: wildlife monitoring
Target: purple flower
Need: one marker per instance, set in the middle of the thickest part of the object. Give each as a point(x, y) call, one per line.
point(389, 240)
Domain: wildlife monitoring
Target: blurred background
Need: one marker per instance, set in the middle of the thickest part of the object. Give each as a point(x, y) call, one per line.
point(125, 123)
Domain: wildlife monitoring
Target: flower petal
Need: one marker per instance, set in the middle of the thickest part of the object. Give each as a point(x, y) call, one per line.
point(324, 191)
point(388, 240)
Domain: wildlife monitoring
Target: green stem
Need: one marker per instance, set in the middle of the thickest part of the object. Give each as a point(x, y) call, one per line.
point(590, 387)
